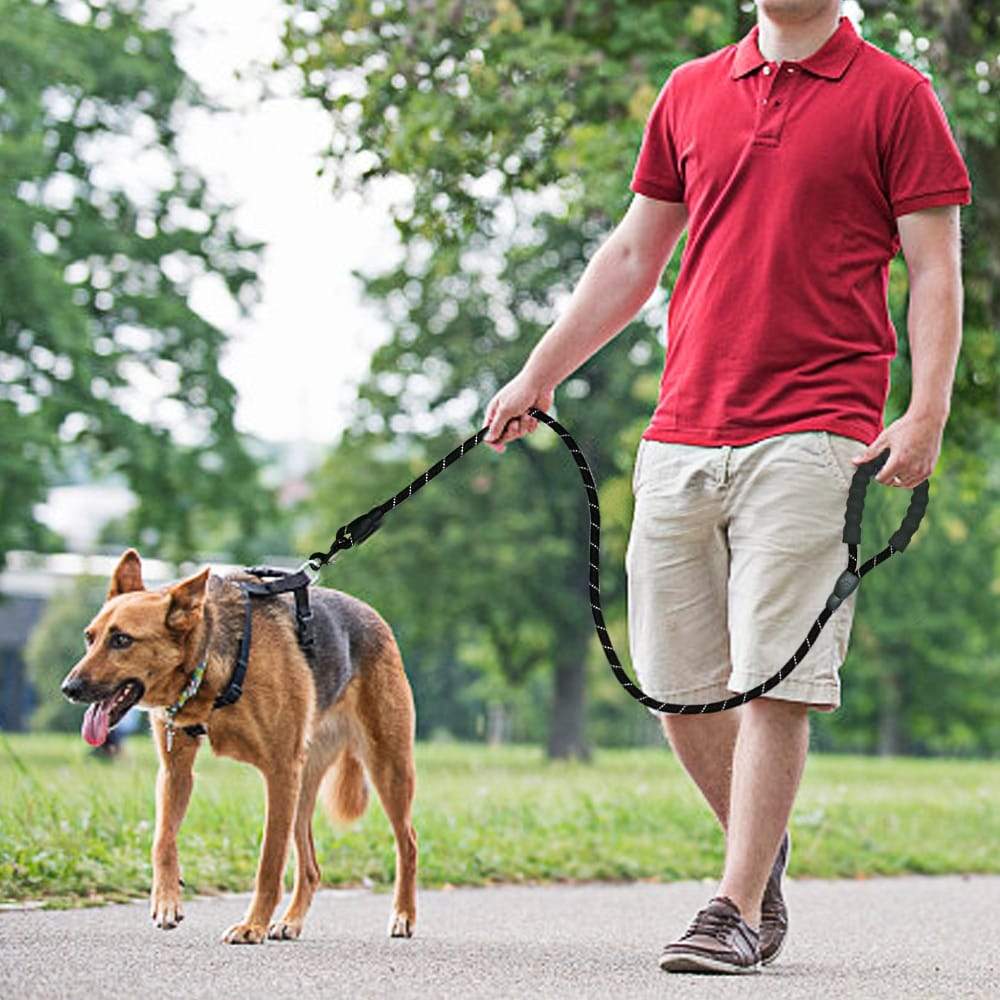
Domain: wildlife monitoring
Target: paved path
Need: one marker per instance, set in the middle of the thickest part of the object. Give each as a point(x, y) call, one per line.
point(931, 938)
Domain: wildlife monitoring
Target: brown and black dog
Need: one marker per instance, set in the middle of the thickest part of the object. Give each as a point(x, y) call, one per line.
point(346, 710)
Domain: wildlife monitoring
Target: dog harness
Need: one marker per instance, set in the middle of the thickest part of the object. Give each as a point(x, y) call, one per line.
point(298, 584)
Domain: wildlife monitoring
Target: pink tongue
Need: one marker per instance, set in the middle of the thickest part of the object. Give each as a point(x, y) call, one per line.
point(95, 724)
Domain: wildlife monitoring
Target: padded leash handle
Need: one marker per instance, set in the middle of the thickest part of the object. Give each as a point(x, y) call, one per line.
point(856, 497)
point(912, 518)
point(856, 505)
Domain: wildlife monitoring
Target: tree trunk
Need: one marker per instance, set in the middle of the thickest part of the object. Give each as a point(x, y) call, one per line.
point(889, 710)
point(567, 738)
point(497, 718)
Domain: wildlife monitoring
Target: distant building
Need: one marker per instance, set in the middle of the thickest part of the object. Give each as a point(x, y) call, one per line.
point(18, 616)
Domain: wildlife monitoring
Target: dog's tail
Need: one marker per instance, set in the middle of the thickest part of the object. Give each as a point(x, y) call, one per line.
point(345, 789)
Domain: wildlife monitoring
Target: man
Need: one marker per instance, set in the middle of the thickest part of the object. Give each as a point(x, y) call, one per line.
point(800, 160)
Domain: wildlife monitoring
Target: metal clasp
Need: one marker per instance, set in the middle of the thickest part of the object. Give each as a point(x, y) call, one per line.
point(312, 570)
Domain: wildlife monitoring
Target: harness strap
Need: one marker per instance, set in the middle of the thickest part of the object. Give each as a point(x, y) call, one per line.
point(298, 583)
point(234, 689)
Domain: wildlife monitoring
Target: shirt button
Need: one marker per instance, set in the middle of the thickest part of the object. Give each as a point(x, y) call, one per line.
point(791, 70)
point(767, 71)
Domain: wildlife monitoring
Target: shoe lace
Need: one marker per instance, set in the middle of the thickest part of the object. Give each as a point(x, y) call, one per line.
point(713, 922)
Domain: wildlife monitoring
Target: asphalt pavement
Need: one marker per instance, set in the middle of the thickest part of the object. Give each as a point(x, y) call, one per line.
point(931, 938)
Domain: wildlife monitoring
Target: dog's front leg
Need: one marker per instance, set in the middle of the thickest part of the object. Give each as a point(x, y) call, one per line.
point(173, 792)
point(282, 797)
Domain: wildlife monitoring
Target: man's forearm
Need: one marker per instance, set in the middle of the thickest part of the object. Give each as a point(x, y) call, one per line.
point(612, 289)
point(934, 323)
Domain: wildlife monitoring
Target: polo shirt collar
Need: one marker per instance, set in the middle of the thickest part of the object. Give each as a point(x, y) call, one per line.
point(830, 60)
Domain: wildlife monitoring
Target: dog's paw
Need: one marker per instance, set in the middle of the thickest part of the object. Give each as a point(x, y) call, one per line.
point(284, 931)
point(401, 926)
point(165, 910)
point(245, 934)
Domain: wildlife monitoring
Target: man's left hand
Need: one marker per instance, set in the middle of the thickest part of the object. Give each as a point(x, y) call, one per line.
point(914, 443)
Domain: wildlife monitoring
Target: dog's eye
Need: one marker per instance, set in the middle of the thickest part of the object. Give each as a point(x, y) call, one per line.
point(119, 640)
point(88, 638)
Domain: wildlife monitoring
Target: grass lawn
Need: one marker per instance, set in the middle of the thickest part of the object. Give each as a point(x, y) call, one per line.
point(75, 830)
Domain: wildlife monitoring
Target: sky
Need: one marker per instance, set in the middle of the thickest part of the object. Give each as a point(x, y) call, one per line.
point(310, 336)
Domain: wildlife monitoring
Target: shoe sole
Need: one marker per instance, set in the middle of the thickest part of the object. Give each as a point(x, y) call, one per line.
point(702, 963)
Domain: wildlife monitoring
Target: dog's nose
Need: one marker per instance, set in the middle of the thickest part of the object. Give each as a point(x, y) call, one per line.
point(73, 688)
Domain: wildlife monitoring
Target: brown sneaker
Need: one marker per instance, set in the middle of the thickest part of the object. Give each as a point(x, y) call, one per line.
point(718, 940)
point(773, 912)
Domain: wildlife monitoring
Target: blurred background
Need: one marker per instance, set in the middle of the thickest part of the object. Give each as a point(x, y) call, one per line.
point(262, 262)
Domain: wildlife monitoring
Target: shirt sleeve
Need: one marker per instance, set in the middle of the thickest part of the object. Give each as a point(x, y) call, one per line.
point(656, 173)
point(923, 167)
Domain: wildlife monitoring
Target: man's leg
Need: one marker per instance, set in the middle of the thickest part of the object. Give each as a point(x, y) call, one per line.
point(770, 756)
point(705, 744)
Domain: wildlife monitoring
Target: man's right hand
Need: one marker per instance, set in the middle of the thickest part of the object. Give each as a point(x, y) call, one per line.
point(507, 412)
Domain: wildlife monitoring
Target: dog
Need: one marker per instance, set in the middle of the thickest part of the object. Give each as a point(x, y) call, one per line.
point(344, 711)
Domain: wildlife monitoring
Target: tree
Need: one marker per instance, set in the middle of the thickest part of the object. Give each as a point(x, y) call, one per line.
point(94, 280)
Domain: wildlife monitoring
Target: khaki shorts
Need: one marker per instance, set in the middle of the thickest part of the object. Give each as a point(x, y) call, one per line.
point(731, 556)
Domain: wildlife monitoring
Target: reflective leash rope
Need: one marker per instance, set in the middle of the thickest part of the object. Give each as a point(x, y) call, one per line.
point(355, 532)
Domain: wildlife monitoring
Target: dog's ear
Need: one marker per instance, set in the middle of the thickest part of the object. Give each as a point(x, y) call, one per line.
point(127, 575)
point(187, 601)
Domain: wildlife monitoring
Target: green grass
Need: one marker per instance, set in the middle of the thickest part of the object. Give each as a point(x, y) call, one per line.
point(74, 830)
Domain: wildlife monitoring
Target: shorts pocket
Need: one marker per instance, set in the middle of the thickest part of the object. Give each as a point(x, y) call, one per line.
point(637, 469)
point(838, 451)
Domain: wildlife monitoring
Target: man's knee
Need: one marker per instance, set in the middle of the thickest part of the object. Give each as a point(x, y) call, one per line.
point(778, 706)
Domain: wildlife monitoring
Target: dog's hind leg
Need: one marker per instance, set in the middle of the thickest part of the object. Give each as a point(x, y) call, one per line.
point(307, 872)
point(394, 781)
point(386, 710)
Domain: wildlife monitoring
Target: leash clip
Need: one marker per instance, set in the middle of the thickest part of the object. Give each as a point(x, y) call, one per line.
point(311, 567)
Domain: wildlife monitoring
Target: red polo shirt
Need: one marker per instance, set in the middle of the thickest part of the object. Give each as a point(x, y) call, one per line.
point(793, 175)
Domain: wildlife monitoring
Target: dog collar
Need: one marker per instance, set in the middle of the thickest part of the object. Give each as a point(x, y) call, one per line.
point(190, 690)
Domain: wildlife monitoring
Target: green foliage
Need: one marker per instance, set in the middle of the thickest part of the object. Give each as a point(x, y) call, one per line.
point(56, 643)
point(517, 126)
point(74, 829)
point(94, 280)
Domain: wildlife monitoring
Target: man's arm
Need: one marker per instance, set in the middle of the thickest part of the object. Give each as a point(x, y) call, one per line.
point(931, 243)
point(617, 281)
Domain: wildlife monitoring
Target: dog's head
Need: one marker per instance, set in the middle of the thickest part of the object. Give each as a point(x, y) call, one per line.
point(138, 645)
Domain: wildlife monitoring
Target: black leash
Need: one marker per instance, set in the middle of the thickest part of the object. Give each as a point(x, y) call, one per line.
point(353, 533)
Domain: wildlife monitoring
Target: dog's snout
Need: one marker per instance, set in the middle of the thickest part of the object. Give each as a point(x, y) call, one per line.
point(74, 688)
